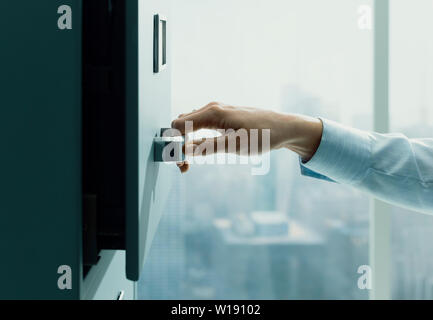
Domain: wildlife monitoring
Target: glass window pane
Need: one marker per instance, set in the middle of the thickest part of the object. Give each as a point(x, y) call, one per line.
point(411, 98)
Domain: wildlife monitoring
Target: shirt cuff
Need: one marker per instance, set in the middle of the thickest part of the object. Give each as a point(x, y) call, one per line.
point(343, 155)
point(312, 174)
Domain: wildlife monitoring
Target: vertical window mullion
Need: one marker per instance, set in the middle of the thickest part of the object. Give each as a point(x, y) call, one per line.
point(380, 212)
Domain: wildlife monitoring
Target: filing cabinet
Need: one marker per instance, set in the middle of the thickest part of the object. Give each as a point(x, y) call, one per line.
point(103, 281)
point(85, 91)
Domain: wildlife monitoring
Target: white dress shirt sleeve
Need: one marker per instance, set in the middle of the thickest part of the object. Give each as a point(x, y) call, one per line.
point(391, 167)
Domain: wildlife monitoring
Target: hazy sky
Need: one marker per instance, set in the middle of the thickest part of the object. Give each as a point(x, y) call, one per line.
point(411, 62)
point(244, 52)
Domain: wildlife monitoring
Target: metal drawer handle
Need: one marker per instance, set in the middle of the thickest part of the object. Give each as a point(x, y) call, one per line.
point(168, 148)
point(121, 295)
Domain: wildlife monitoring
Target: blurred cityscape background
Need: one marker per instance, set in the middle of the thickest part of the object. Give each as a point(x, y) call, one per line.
point(227, 234)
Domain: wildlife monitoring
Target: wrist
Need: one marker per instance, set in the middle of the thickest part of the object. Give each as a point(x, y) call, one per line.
point(304, 135)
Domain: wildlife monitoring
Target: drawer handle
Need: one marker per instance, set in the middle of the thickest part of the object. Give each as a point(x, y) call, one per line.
point(121, 295)
point(168, 148)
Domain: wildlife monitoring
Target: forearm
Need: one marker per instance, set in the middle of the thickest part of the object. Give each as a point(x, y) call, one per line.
point(392, 168)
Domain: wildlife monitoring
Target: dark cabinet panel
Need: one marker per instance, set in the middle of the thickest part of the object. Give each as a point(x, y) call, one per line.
point(148, 110)
point(126, 103)
point(80, 107)
point(40, 138)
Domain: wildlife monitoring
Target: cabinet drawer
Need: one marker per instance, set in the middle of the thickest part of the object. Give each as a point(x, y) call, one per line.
point(107, 280)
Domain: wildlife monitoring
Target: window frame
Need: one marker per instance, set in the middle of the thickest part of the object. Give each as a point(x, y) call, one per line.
point(380, 212)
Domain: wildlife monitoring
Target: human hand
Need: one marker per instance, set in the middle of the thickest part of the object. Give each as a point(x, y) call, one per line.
point(295, 132)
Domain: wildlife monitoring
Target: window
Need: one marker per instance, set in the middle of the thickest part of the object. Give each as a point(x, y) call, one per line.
point(411, 79)
point(227, 234)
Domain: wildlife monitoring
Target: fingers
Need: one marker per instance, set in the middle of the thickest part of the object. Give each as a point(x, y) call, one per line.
point(209, 117)
point(210, 146)
point(212, 116)
point(190, 113)
point(190, 148)
point(224, 144)
point(197, 110)
point(183, 166)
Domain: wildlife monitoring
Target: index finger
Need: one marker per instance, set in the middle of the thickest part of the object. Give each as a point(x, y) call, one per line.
point(207, 118)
